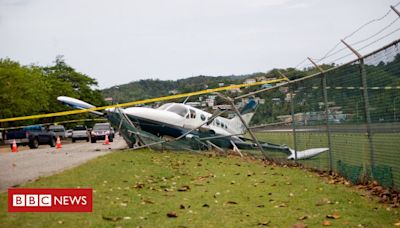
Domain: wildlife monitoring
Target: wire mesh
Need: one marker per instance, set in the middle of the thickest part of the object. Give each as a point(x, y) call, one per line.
point(383, 85)
point(360, 123)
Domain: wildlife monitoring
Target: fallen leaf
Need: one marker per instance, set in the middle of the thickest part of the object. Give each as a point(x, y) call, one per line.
point(172, 214)
point(231, 202)
point(184, 188)
point(147, 201)
point(333, 216)
point(304, 217)
point(139, 185)
point(397, 224)
point(113, 219)
point(281, 205)
point(326, 223)
point(264, 223)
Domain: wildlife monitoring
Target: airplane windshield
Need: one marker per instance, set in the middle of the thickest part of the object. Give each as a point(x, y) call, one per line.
point(164, 106)
point(178, 109)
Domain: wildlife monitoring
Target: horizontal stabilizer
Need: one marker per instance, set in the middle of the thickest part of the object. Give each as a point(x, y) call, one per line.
point(305, 154)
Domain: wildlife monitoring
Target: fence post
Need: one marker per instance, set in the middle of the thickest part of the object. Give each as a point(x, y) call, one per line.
point(325, 96)
point(364, 85)
point(293, 121)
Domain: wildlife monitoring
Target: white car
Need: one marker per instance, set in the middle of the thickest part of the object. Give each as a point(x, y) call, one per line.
point(68, 133)
point(80, 132)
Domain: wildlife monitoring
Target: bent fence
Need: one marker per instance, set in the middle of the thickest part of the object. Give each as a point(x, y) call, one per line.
point(353, 109)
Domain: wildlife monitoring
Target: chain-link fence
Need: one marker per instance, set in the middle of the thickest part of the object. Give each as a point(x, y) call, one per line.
point(354, 110)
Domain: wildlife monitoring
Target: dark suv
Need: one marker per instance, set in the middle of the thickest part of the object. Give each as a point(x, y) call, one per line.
point(99, 132)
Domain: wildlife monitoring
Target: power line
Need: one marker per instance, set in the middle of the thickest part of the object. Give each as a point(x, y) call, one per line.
point(379, 32)
point(340, 58)
point(381, 38)
point(368, 23)
point(331, 51)
point(298, 65)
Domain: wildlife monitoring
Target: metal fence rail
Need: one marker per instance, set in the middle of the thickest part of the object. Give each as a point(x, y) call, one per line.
point(353, 109)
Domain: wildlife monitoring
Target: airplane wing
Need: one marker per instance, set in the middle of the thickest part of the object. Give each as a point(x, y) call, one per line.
point(78, 104)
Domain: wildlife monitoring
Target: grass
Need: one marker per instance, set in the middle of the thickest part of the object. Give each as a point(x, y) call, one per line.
point(139, 188)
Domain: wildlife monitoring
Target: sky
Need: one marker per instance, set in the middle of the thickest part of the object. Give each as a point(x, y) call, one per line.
point(119, 41)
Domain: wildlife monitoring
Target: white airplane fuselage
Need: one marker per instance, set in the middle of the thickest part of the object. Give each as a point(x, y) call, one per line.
point(180, 116)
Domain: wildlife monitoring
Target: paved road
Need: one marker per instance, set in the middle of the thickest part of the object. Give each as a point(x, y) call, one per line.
point(28, 165)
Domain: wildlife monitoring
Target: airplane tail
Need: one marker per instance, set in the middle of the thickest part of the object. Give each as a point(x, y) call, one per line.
point(247, 113)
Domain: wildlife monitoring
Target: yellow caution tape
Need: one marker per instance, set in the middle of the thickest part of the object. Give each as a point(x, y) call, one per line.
point(151, 100)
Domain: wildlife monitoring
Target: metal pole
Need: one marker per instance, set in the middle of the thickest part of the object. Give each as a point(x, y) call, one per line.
point(293, 122)
point(231, 101)
point(325, 96)
point(366, 107)
point(395, 10)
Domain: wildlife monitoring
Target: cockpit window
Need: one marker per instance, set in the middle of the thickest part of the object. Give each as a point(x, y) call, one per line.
point(203, 117)
point(178, 109)
point(164, 106)
point(218, 122)
point(192, 113)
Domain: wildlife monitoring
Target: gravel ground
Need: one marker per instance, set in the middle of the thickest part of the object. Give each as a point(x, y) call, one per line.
point(28, 165)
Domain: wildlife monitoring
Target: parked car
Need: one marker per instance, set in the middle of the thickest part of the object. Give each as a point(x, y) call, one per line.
point(32, 136)
point(99, 132)
point(80, 132)
point(68, 133)
point(59, 130)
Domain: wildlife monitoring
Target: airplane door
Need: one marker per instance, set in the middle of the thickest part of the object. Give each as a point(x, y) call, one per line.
point(191, 120)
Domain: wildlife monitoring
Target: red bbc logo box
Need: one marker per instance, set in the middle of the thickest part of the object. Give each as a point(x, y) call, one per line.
point(50, 200)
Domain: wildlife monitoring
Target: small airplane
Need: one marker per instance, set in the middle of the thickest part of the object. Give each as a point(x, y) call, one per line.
point(174, 120)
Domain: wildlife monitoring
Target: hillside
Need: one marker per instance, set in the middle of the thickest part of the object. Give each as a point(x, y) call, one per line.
point(150, 88)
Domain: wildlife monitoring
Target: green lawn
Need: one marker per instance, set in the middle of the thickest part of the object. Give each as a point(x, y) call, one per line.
point(139, 188)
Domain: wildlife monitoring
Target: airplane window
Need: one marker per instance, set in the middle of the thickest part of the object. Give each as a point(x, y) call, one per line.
point(178, 109)
point(222, 125)
point(164, 106)
point(218, 123)
point(192, 114)
point(203, 117)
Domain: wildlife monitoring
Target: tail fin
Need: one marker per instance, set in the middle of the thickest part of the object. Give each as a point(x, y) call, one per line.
point(247, 114)
point(78, 104)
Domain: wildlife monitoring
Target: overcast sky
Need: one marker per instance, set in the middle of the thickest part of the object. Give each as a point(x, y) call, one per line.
point(118, 41)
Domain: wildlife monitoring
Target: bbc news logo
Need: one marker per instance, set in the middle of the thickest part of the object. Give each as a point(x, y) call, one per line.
point(50, 200)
